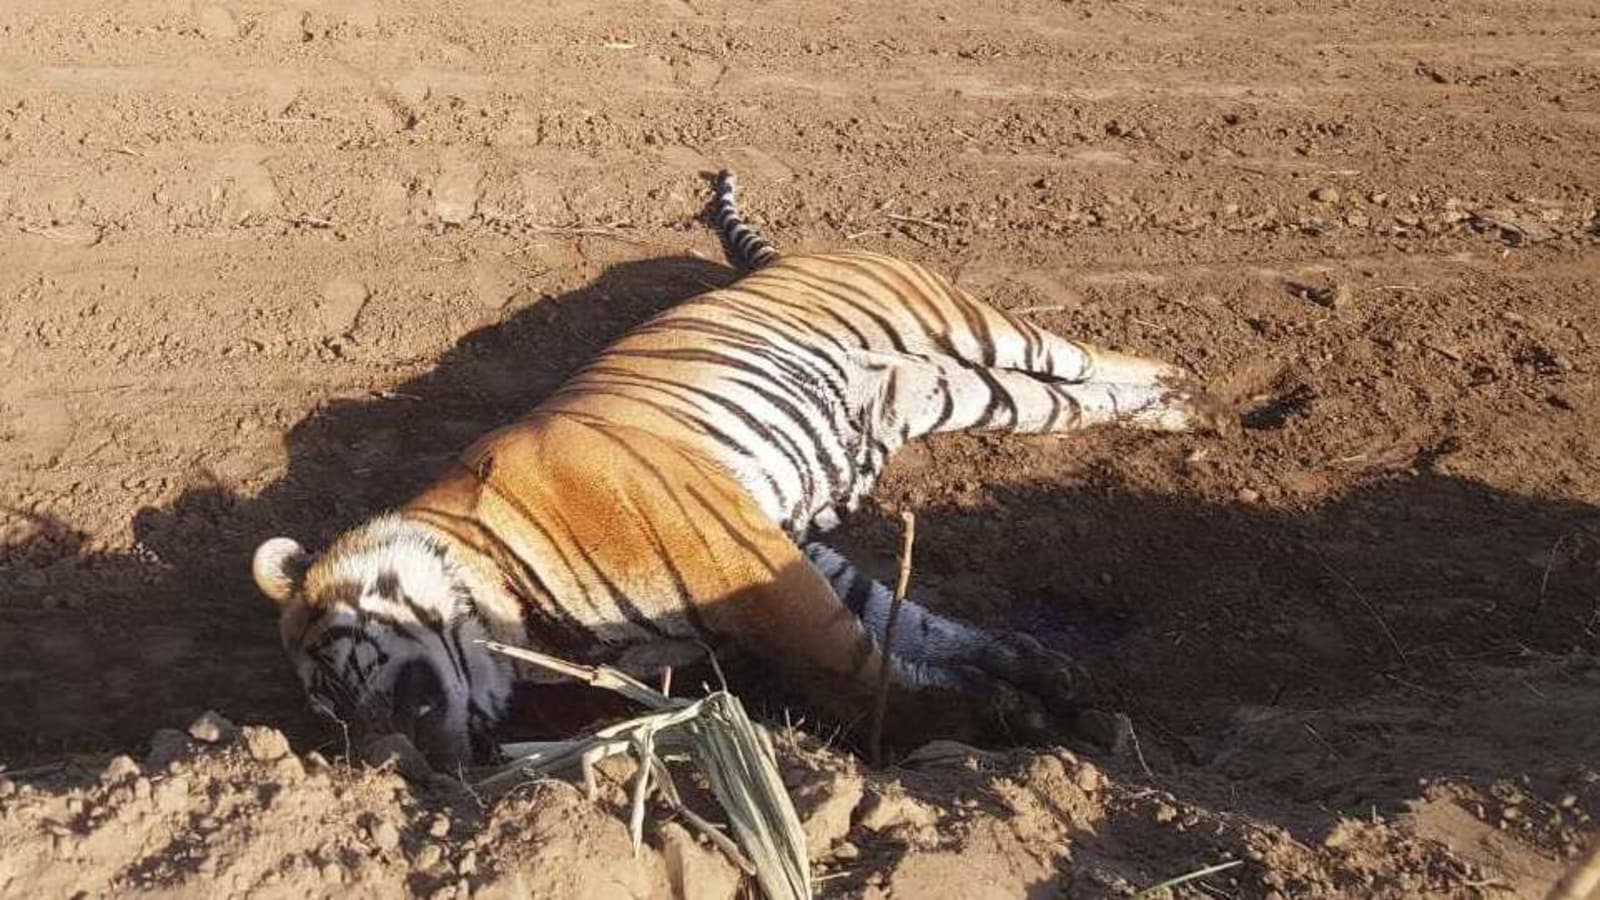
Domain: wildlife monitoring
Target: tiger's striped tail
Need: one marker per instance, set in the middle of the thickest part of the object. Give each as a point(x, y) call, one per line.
point(746, 250)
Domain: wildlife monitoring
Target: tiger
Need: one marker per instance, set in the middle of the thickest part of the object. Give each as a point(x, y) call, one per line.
point(671, 495)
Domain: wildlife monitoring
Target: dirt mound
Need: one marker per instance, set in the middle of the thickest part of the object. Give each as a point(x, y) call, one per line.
point(238, 814)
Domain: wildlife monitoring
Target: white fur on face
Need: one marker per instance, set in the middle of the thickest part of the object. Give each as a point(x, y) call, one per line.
point(389, 594)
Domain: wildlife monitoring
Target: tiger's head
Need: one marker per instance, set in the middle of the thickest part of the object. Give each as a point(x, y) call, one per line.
point(382, 629)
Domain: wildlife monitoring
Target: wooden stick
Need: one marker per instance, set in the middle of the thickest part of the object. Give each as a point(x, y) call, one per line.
point(908, 538)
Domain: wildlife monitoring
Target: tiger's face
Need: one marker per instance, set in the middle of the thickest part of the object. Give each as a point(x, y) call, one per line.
point(383, 631)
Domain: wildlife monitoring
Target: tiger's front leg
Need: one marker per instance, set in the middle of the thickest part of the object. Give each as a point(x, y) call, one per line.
point(1021, 690)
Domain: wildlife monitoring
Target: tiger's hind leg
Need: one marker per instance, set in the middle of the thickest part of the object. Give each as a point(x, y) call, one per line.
point(917, 396)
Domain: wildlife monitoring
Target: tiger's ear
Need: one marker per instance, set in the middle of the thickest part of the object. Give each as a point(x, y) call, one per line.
point(279, 567)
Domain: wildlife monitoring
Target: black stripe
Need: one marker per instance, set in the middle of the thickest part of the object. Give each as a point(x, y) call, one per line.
point(949, 407)
point(840, 291)
point(779, 441)
point(785, 405)
point(811, 310)
point(905, 290)
point(858, 595)
point(999, 398)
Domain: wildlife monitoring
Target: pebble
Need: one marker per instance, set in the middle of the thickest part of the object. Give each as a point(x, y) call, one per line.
point(1326, 194)
point(217, 23)
point(893, 810)
point(428, 856)
point(172, 794)
point(120, 768)
point(289, 769)
point(333, 873)
point(1089, 778)
point(1166, 813)
point(1567, 801)
point(265, 744)
point(844, 850)
point(384, 835)
point(210, 727)
point(166, 745)
point(468, 864)
point(1249, 495)
point(825, 806)
point(439, 827)
point(7, 786)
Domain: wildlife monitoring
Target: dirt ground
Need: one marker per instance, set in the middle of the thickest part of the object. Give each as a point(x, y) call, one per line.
point(266, 264)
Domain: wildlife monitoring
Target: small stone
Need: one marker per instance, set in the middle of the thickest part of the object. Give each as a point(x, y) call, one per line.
point(172, 794)
point(384, 835)
point(343, 299)
point(166, 746)
point(428, 856)
point(217, 23)
point(1567, 801)
point(455, 194)
point(332, 873)
point(119, 769)
point(1166, 813)
point(439, 827)
point(210, 727)
point(1326, 194)
point(949, 754)
point(1249, 495)
point(396, 750)
point(289, 770)
point(1341, 834)
point(468, 863)
point(265, 744)
point(897, 809)
point(7, 786)
point(1089, 778)
point(845, 851)
point(825, 805)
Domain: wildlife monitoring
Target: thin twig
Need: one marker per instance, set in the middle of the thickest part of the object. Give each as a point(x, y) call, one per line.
point(1446, 352)
point(918, 220)
point(908, 539)
point(858, 235)
point(1371, 610)
point(29, 771)
point(1138, 752)
point(1311, 730)
point(1549, 563)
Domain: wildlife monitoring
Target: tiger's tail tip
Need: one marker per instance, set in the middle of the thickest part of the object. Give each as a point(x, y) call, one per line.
point(745, 249)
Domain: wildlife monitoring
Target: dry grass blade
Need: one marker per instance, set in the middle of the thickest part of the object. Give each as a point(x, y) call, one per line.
point(1197, 874)
point(717, 736)
point(601, 677)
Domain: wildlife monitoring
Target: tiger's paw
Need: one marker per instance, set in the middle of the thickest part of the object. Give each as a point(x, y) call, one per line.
point(1014, 716)
point(1048, 674)
point(1188, 406)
